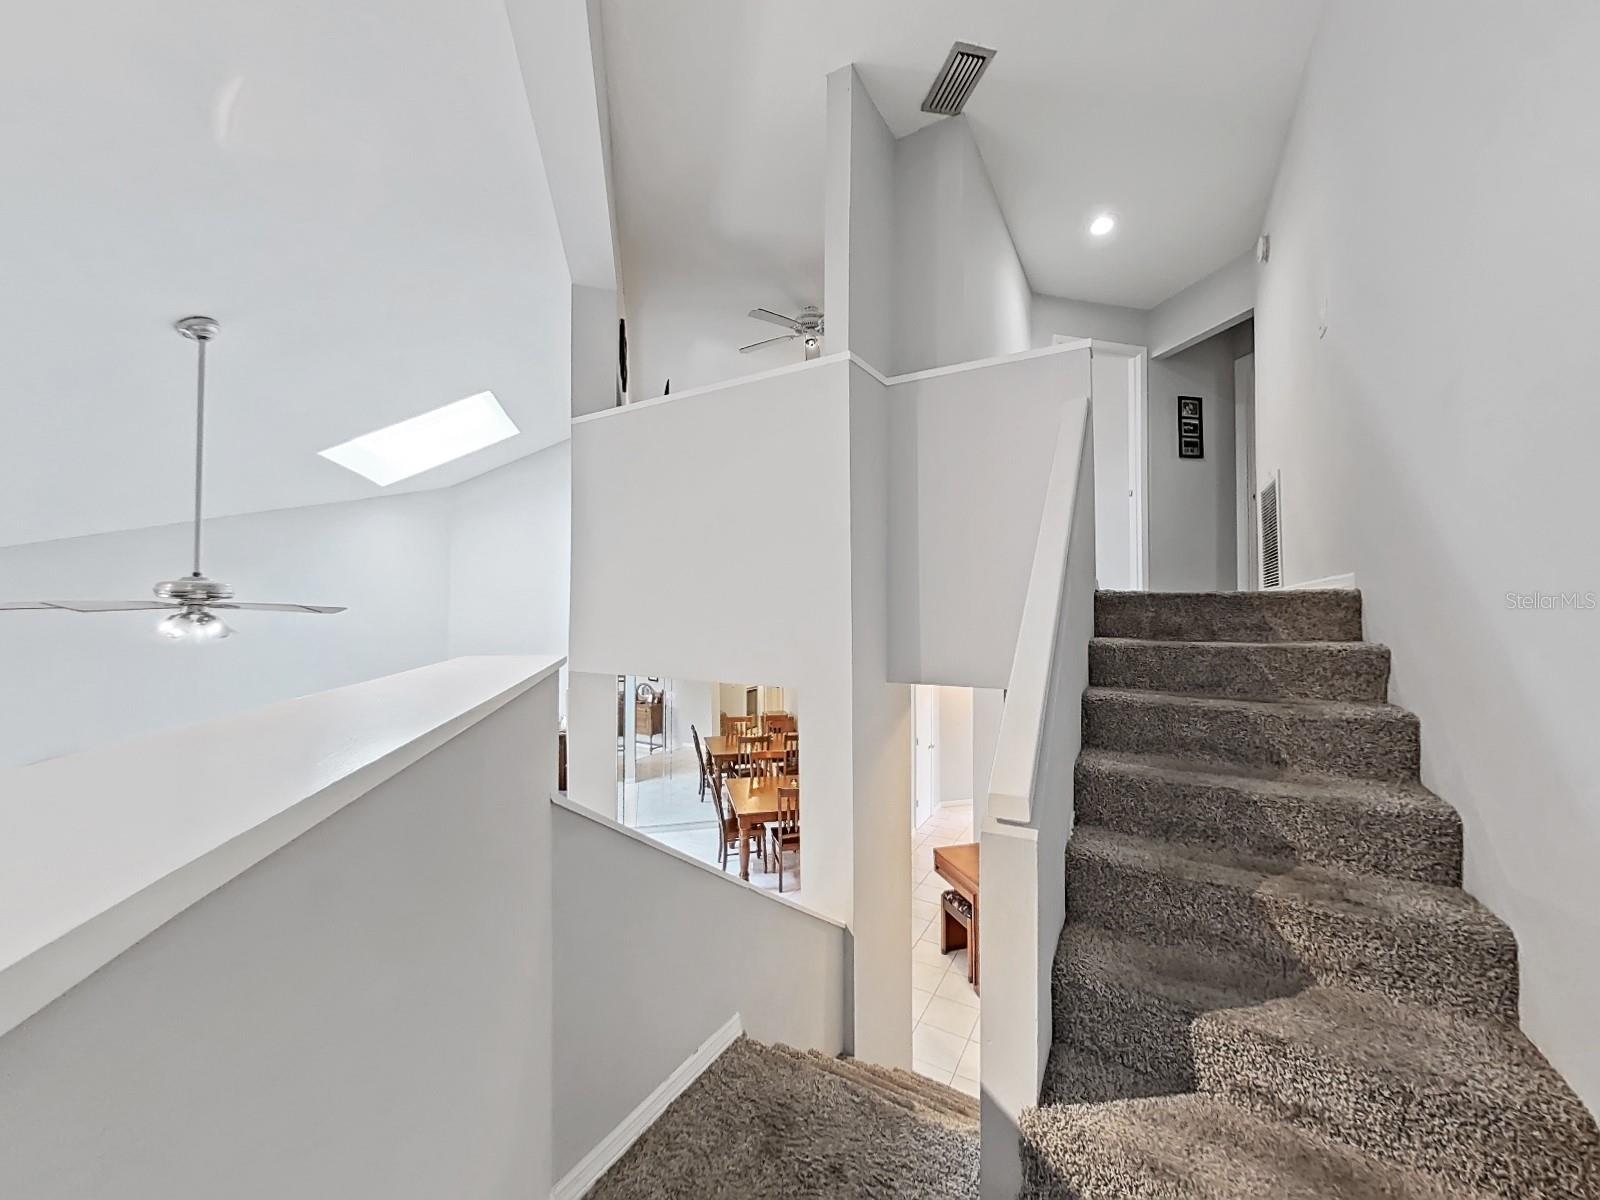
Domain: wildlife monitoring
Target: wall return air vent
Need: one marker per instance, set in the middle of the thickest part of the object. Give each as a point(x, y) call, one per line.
point(956, 79)
point(1271, 564)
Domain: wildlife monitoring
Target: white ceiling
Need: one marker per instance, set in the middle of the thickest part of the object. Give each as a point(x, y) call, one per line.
point(1170, 113)
point(354, 190)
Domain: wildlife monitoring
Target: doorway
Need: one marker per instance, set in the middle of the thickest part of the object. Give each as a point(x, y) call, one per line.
point(1117, 384)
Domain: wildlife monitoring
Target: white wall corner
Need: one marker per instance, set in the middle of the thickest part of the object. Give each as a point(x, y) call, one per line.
point(615, 1144)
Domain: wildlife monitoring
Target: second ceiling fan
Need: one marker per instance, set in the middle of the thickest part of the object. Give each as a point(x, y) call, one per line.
point(807, 327)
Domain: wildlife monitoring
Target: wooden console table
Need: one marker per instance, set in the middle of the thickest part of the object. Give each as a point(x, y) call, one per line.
point(958, 866)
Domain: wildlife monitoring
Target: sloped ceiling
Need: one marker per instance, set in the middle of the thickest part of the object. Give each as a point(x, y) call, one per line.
point(354, 190)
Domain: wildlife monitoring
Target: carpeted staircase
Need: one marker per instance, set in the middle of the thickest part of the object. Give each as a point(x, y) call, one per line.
point(772, 1121)
point(1271, 984)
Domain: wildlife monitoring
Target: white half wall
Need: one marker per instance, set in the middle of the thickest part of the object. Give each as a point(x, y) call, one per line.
point(653, 954)
point(365, 1012)
point(1425, 353)
point(641, 604)
point(969, 460)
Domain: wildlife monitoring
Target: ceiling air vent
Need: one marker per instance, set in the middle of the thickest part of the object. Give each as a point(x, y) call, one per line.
point(956, 79)
point(1271, 566)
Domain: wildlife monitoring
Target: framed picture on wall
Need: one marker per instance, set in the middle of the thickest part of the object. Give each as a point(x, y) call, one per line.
point(1191, 437)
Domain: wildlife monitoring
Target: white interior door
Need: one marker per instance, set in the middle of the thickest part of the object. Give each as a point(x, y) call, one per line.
point(925, 753)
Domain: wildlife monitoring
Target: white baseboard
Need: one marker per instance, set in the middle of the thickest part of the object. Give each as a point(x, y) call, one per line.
point(1325, 583)
point(615, 1144)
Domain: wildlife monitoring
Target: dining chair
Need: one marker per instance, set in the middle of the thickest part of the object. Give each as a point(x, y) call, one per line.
point(791, 754)
point(733, 726)
point(786, 830)
point(777, 723)
point(749, 762)
point(699, 757)
point(728, 828)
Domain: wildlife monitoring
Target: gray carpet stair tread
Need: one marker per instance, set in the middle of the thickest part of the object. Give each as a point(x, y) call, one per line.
point(1371, 896)
point(1414, 941)
point(1313, 737)
point(1201, 1148)
point(1355, 671)
point(1465, 1097)
point(1371, 826)
point(763, 1122)
point(1074, 1075)
point(1308, 615)
point(906, 1088)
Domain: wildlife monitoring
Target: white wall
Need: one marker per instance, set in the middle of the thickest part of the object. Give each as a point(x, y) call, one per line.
point(510, 563)
point(594, 349)
point(791, 629)
point(1051, 315)
point(480, 568)
point(858, 262)
point(955, 745)
point(1425, 338)
point(366, 1012)
point(969, 460)
point(71, 681)
point(815, 438)
point(653, 955)
point(960, 292)
point(1192, 500)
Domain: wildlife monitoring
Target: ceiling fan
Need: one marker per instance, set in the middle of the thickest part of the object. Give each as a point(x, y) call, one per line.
point(807, 326)
point(192, 598)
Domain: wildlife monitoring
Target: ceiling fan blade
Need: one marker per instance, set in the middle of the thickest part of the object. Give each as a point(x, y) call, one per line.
point(97, 606)
point(296, 608)
point(766, 314)
point(788, 337)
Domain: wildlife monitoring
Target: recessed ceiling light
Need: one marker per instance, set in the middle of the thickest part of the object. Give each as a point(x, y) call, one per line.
point(421, 443)
point(1102, 225)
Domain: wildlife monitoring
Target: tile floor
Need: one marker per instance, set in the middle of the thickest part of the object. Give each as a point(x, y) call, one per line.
point(944, 1008)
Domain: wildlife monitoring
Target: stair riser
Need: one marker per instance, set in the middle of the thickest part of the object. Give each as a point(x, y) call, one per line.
point(1402, 845)
point(1450, 1128)
point(1383, 744)
point(1429, 1124)
point(1230, 616)
point(1464, 969)
point(1344, 671)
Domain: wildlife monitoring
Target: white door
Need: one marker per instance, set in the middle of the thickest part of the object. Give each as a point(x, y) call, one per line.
point(925, 753)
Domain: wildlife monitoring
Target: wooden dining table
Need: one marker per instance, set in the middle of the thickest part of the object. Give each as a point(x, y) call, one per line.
point(724, 749)
point(755, 802)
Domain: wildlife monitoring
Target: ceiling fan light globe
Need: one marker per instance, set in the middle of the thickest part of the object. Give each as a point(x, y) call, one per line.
point(193, 625)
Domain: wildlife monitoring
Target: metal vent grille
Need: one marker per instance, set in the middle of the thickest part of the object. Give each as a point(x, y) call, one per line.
point(1271, 568)
point(956, 79)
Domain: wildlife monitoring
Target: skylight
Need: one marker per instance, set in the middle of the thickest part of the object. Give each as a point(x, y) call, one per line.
point(421, 443)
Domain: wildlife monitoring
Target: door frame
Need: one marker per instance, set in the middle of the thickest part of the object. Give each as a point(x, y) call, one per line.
point(1246, 543)
point(925, 771)
point(1138, 358)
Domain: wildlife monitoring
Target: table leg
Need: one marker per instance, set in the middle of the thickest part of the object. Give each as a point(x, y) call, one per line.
point(744, 852)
